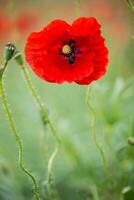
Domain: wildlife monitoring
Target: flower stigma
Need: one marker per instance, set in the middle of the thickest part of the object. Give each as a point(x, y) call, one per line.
point(69, 51)
point(66, 49)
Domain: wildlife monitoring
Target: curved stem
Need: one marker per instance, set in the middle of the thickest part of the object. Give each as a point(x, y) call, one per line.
point(18, 140)
point(39, 103)
point(47, 119)
point(50, 162)
point(91, 108)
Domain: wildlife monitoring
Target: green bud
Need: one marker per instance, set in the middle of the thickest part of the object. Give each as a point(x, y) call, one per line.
point(18, 58)
point(131, 141)
point(9, 51)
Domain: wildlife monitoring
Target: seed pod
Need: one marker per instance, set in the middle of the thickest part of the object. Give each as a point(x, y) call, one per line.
point(18, 58)
point(9, 51)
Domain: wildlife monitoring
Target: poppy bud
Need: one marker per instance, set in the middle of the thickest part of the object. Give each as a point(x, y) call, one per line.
point(131, 141)
point(18, 58)
point(9, 51)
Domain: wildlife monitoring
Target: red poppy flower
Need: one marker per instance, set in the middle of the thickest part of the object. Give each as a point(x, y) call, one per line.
point(71, 53)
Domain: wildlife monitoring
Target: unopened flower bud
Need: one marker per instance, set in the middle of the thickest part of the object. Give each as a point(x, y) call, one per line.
point(9, 51)
point(131, 141)
point(18, 58)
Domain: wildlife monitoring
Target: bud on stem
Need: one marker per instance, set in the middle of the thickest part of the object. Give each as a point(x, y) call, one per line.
point(9, 52)
point(18, 58)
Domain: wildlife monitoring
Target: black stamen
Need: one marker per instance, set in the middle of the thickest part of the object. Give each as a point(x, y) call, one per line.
point(71, 59)
point(71, 43)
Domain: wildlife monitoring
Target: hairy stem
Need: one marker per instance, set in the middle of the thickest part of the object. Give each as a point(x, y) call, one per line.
point(77, 8)
point(18, 140)
point(92, 110)
point(47, 119)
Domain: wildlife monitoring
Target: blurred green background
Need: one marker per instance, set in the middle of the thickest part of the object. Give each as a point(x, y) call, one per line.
point(78, 172)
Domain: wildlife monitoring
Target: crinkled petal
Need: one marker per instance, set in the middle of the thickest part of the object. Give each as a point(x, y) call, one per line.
point(43, 52)
point(85, 26)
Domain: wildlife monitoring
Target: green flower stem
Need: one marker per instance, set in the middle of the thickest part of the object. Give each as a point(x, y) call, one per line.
point(77, 8)
point(98, 146)
point(50, 162)
point(91, 108)
point(17, 137)
point(5, 66)
point(2, 70)
point(130, 4)
point(48, 121)
point(39, 102)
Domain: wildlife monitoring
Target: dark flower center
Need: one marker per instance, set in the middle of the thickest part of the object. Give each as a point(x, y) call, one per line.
point(69, 51)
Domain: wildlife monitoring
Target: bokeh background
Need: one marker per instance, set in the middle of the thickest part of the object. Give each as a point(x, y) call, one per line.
point(78, 172)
